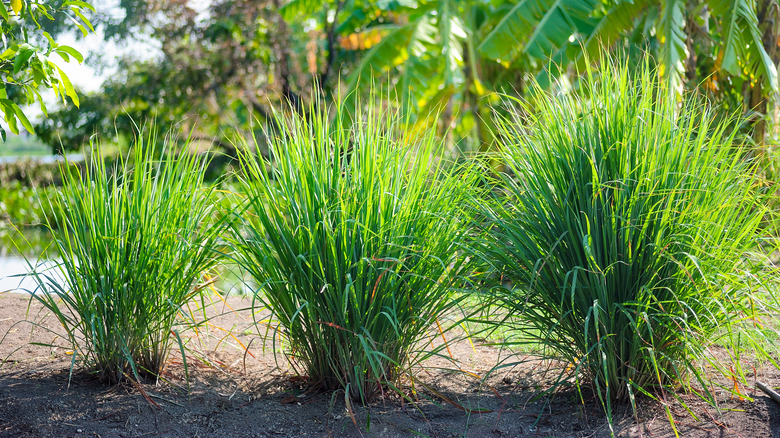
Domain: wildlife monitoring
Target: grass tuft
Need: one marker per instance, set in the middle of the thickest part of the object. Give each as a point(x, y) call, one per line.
point(351, 231)
point(625, 225)
point(132, 242)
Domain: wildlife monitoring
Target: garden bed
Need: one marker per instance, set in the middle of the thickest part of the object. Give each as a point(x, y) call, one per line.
point(237, 392)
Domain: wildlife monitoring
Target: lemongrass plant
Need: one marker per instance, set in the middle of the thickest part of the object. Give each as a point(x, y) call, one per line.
point(624, 224)
point(351, 232)
point(133, 243)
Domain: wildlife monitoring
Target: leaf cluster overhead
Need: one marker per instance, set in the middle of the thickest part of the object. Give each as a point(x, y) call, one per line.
point(27, 61)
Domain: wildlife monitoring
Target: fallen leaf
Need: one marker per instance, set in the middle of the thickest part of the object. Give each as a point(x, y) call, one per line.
point(290, 399)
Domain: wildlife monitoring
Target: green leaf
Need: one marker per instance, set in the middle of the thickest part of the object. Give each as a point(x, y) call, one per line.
point(419, 80)
point(296, 8)
point(22, 118)
point(419, 73)
point(618, 20)
point(22, 56)
point(69, 51)
point(48, 37)
point(79, 4)
point(43, 10)
point(743, 48)
point(503, 43)
point(9, 52)
point(85, 20)
point(69, 90)
point(451, 33)
point(13, 112)
point(41, 103)
point(671, 33)
point(557, 27)
point(6, 17)
point(550, 24)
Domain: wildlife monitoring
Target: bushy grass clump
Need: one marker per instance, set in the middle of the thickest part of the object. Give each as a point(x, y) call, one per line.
point(624, 223)
point(351, 231)
point(133, 242)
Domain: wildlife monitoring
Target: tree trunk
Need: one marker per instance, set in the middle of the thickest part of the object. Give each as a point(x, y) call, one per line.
point(767, 129)
point(471, 65)
point(281, 45)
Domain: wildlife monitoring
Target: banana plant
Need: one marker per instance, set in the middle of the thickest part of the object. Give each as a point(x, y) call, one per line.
point(448, 55)
point(427, 51)
point(569, 31)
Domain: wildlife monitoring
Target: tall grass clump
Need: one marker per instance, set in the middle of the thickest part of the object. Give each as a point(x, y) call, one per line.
point(132, 242)
point(351, 230)
point(624, 222)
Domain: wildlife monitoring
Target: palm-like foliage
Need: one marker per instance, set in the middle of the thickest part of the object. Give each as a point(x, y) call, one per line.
point(452, 54)
point(535, 28)
point(424, 41)
point(560, 29)
point(428, 46)
point(446, 55)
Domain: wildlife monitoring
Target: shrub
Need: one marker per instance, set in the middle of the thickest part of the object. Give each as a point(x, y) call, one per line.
point(21, 205)
point(133, 243)
point(623, 222)
point(351, 230)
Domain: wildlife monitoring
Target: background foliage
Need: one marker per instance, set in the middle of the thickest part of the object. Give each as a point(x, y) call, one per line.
point(27, 63)
point(220, 66)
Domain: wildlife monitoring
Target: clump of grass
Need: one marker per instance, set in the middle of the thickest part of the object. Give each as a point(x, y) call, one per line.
point(624, 224)
point(351, 231)
point(133, 243)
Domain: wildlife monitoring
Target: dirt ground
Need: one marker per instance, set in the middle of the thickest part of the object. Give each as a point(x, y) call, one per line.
point(236, 389)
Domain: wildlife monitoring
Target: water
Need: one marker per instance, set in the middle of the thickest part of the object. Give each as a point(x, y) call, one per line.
point(15, 274)
point(43, 159)
point(15, 277)
point(15, 270)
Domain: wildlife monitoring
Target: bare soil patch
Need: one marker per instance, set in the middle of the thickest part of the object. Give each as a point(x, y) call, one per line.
point(237, 389)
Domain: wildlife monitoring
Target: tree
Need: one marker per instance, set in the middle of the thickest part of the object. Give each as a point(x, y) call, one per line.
point(768, 12)
point(222, 66)
point(442, 51)
point(217, 70)
point(428, 49)
point(26, 63)
point(728, 46)
point(561, 29)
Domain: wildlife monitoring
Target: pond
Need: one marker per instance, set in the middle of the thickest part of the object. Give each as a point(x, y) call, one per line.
point(43, 159)
point(15, 273)
point(15, 276)
point(34, 243)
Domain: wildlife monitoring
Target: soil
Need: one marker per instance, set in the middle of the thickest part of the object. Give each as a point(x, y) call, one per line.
point(237, 389)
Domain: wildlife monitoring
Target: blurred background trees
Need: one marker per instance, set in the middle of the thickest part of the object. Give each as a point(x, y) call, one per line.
point(27, 61)
point(222, 63)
